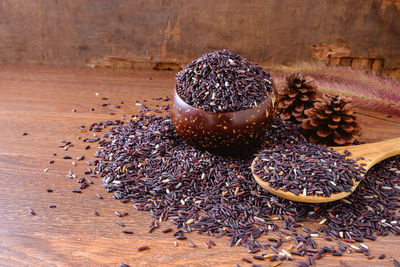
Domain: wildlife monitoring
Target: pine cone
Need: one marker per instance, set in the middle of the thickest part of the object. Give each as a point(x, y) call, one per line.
point(298, 95)
point(331, 121)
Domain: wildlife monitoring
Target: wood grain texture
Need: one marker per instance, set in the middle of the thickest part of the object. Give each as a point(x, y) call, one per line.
point(77, 32)
point(38, 100)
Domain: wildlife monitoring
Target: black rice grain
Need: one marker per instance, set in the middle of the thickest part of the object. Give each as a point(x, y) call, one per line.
point(310, 260)
point(167, 230)
point(257, 257)
point(336, 253)
point(247, 260)
point(273, 258)
point(143, 248)
point(119, 214)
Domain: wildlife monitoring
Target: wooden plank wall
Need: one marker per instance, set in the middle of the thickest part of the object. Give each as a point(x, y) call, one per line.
point(166, 33)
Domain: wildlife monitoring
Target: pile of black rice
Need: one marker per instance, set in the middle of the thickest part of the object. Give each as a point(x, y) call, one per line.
point(223, 81)
point(144, 161)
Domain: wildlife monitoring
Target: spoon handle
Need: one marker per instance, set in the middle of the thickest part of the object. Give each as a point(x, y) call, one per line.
point(373, 152)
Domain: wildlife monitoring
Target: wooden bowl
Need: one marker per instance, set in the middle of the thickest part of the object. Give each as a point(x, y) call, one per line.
point(238, 133)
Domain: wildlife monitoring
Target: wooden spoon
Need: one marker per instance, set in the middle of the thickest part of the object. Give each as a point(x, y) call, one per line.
point(372, 154)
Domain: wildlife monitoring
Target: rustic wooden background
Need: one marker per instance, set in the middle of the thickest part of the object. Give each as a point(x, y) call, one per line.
point(164, 34)
point(147, 35)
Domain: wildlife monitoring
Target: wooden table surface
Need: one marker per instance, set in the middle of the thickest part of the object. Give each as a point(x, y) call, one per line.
point(39, 100)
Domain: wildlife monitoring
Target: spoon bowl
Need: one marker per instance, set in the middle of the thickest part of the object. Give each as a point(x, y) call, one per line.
point(367, 154)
